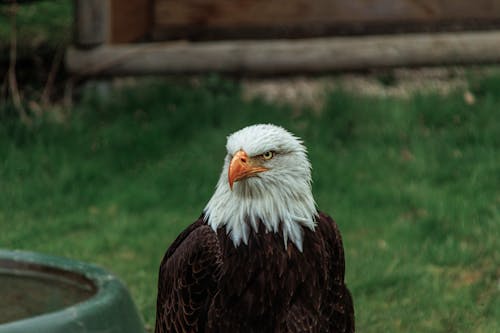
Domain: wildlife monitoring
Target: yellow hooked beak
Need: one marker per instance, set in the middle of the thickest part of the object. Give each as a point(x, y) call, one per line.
point(242, 166)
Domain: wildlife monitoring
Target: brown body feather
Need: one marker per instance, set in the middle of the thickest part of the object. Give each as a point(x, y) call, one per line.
point(206, 284)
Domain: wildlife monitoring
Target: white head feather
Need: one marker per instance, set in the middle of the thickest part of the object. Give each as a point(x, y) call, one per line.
point(279, 196)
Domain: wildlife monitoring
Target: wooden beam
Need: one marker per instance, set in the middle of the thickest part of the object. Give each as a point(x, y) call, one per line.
point(232, 13)
point(215, 19)
point(131, 20)
point(288, 56)
point(92, 18)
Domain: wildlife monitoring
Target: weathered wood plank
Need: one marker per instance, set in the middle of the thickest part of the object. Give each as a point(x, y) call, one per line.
point(265, 12)
point(91, 22)
point(213, 18)
point(288, 56)
point(131, 20)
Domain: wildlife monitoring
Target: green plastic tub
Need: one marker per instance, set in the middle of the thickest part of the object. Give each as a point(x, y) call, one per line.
point(40, 293)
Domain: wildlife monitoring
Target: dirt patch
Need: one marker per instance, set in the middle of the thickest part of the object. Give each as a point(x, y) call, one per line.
point(400, 83)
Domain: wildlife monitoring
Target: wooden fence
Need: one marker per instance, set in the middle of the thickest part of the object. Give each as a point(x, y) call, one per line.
point(277, 36)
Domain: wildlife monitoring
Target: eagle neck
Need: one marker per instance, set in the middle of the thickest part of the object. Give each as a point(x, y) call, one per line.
point(280, 209)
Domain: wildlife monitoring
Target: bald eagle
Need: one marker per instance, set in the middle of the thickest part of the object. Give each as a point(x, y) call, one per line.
point(261, 257)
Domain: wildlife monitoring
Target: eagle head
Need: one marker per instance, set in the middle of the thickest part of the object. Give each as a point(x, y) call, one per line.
point(266, 178)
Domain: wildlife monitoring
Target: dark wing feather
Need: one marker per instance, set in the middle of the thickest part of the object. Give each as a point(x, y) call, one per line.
point(340, 308)
point(323, 302)
point(300, 320)
point(187, 280)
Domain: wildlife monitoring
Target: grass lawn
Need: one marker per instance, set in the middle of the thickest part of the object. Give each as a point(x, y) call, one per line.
point(413, 183)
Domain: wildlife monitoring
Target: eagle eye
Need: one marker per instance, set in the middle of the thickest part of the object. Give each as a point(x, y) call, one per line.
point(268, 155)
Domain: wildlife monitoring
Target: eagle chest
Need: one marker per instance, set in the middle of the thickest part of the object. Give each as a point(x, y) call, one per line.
point(262, 279)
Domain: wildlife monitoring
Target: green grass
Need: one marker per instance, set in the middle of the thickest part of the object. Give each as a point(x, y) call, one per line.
point(414, 185)
point(39, 24)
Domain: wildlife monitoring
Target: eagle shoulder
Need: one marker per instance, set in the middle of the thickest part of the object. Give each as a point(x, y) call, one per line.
point(187, 280)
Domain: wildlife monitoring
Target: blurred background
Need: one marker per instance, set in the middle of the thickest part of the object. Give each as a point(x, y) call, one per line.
point(114, 116)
